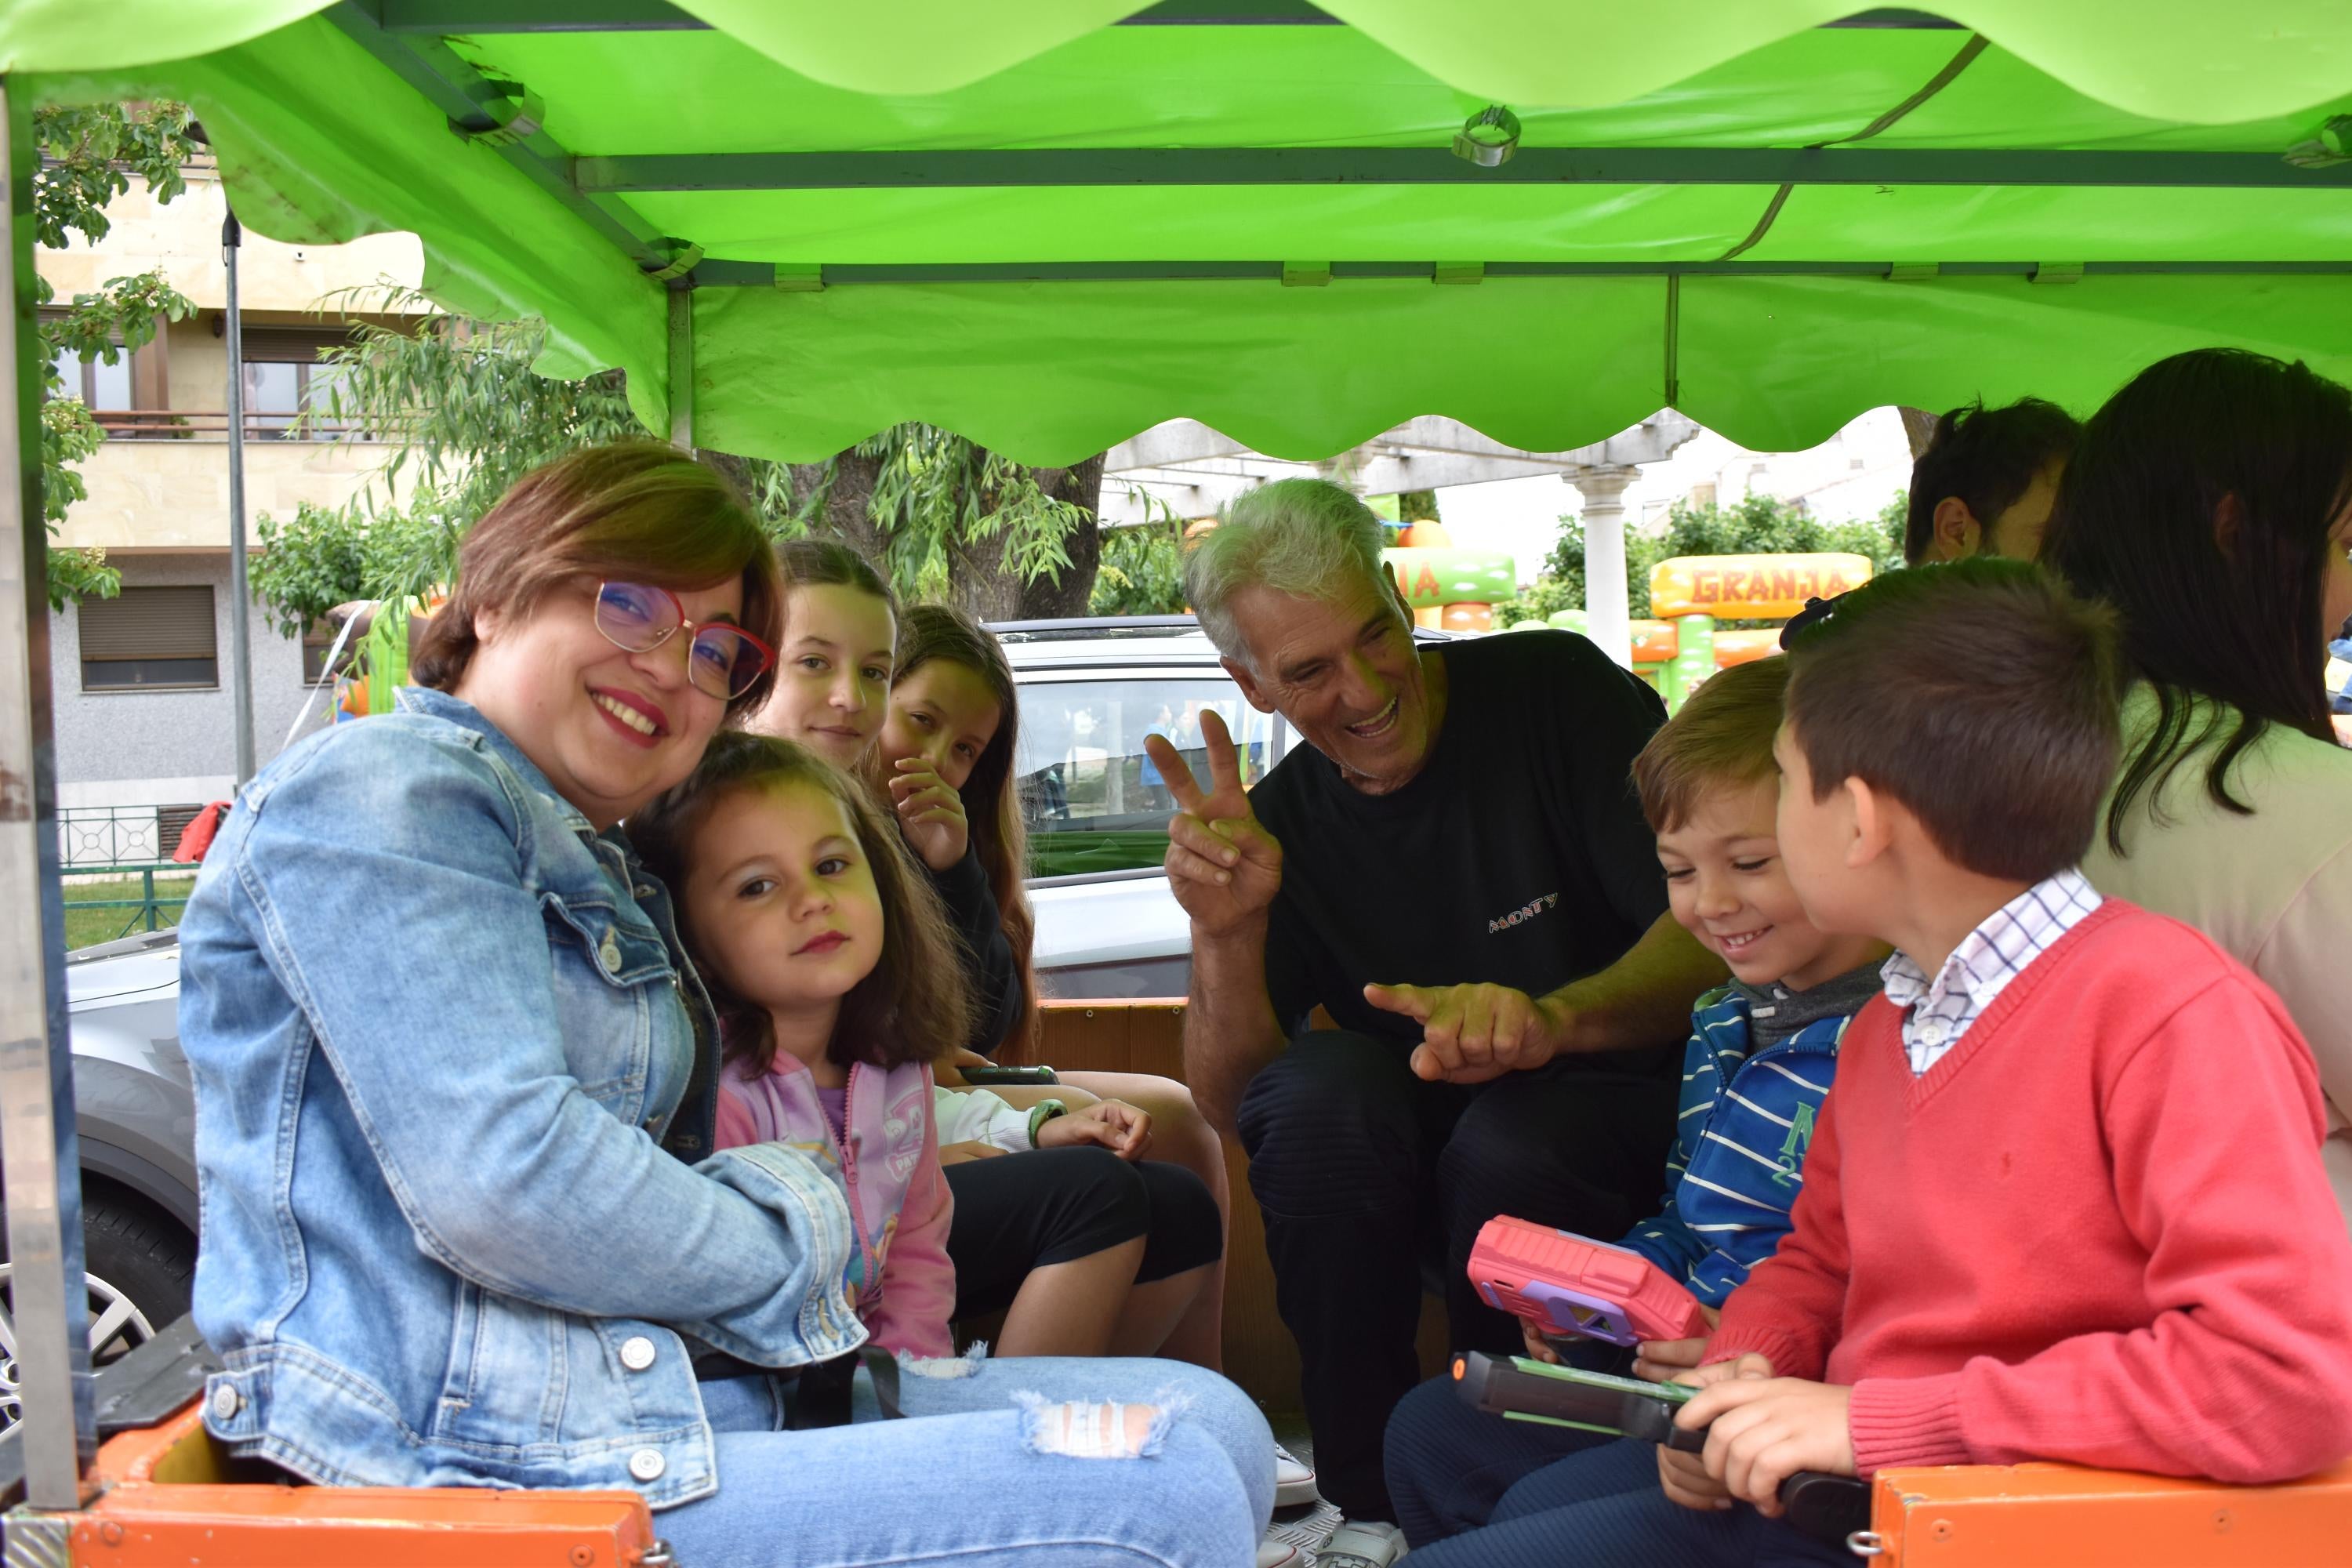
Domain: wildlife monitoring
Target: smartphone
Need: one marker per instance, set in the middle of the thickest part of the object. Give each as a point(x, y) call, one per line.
point(993, 1076)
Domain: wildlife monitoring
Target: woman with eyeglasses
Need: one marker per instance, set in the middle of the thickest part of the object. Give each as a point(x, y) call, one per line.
point(455, 1082)
point(2211, 503)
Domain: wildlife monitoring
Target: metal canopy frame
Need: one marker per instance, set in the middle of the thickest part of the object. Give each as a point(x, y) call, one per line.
point(59, 1430)
point(767, 274)
point(1084, 167)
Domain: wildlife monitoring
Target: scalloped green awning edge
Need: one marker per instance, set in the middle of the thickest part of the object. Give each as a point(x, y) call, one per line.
point(1048, 373)
point(2189, 60)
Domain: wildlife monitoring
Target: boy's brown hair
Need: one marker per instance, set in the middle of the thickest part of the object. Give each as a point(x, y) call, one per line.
point(635, 512)
point(915, 1004)
point(1981, 696)
point(1722, 738)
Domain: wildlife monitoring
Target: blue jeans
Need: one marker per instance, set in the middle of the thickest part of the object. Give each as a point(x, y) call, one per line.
point(963, 1476)
point(1449, 1464)
point(1604, 1508)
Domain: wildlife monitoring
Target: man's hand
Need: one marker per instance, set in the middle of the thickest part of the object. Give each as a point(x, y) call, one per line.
point(1762, 1431)
point(1659, 1361)
point(1470, 1034)
point(1224, 866)
point(1113, 1123)
point(1684, 1477)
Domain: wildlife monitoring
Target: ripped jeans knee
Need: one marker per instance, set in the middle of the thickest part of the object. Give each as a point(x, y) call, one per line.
point(1090, 1430)
point(945, 1366)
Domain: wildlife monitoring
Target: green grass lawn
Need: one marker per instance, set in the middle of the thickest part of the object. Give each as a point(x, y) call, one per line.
point(86, 926)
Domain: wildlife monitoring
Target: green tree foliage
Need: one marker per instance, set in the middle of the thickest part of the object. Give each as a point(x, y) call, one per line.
point(936, 494)
point(1141, 572)
point(465, 416)
point(1756, 526)
point(90, 155)
point(952, 521)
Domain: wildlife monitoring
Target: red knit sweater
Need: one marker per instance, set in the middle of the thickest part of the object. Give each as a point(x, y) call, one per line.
point(2097, 1230)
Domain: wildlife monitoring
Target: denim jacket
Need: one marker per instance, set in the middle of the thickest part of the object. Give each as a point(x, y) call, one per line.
point(438, 1027)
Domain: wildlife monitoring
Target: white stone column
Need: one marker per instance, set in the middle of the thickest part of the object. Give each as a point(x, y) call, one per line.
point(1607, 620)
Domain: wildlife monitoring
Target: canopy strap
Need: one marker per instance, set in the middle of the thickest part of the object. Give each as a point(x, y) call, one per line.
point(1978, 43)
point(1673, 339)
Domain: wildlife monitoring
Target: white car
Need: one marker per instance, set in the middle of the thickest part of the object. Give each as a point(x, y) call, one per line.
point(1096, 809)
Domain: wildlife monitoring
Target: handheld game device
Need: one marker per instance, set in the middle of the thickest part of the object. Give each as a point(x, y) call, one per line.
point(1827, 1508)
point(1567, 1285)
point(1521, 1389)
point(993, 1077)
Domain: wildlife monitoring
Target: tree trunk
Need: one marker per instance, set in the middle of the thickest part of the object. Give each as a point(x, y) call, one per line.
point(1918, 426)
point(845, 516)
point(979, 582)
point(980, 585)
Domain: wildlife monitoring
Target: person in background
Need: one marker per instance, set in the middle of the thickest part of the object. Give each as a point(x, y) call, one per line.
point(1985, 484)
point(2211, 503)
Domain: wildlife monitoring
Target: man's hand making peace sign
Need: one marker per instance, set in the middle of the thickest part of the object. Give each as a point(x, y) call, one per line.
point(1222, 865)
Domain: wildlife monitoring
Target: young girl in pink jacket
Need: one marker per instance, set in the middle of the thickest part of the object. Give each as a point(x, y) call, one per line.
point(836, 980)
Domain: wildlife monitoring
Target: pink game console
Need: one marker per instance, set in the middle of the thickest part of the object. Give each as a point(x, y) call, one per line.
point(1569, 1285)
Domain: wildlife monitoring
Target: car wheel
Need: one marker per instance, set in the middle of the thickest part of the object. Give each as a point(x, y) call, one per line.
point(140, 1267)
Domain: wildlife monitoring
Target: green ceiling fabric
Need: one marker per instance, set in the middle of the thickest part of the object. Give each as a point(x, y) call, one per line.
point(326, 131)
point(2192, 60)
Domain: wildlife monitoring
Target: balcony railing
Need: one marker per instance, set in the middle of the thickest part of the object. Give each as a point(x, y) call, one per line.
point(188, 424)
point(105, 837)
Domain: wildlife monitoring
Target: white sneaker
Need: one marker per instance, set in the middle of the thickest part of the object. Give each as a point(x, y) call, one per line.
point(1272, 1553)
point(1294, 1481)
point(1364, 1545)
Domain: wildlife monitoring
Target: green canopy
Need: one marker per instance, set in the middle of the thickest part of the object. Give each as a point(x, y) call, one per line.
point(1048, 225)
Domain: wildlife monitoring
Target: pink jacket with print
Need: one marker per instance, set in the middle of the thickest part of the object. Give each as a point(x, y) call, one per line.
point(887, 1161)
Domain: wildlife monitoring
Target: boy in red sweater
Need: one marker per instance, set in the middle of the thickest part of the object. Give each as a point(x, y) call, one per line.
point(2065, 1200)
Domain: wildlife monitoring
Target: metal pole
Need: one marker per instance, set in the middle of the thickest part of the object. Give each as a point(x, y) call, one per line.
point(681, 366)
point(240, 593)
point(59, 1431)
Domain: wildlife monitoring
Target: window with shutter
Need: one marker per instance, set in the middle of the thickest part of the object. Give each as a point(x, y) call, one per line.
point(149, 638)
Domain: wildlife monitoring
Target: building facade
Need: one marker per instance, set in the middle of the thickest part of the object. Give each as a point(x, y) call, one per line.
point(140, 683)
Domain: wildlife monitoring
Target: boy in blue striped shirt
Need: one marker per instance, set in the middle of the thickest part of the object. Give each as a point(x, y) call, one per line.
point(1761, 1054)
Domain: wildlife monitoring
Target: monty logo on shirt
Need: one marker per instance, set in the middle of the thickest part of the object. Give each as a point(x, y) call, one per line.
point(1523, 914)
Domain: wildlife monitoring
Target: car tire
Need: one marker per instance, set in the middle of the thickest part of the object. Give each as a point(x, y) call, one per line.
point(142, 1253)
point(141, 1267)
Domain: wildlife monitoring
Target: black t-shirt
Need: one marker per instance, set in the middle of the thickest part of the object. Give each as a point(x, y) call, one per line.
point(1518, 855)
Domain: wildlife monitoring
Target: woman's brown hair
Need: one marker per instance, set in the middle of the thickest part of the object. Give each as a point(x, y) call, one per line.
point(1000, 835)
point(915, 1004)
point(635, 512)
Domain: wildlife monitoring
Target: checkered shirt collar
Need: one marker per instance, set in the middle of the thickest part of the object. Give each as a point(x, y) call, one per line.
point(1991, 956)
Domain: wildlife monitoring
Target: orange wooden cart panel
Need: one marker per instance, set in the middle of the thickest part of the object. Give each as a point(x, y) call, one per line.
point(170, 1502)
point(2025, 1516)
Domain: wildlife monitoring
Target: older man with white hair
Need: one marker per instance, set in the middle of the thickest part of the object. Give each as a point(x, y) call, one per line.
point(1456, 869)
